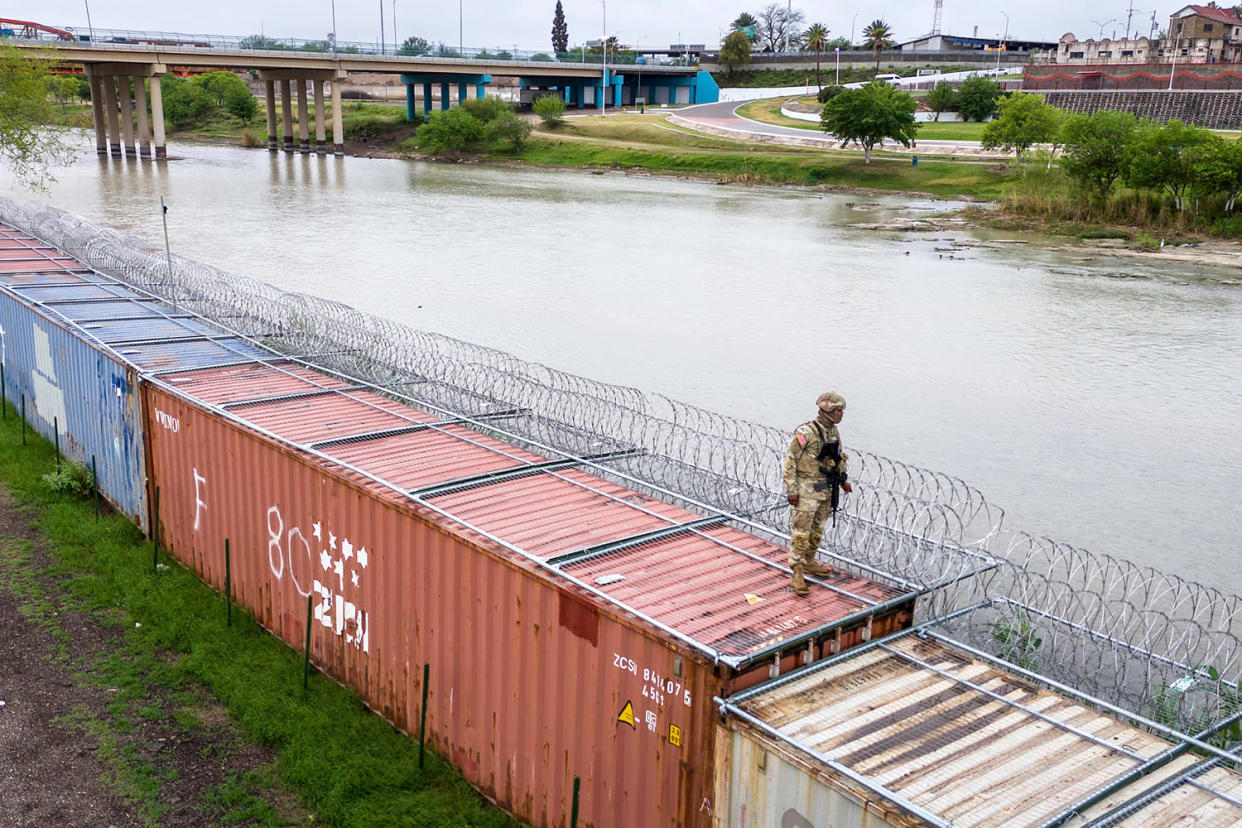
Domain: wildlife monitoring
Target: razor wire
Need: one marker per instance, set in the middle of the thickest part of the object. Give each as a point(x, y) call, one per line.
point(1148, 641)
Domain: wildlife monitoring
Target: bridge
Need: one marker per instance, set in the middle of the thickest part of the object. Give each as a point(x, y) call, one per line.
point(125, 126)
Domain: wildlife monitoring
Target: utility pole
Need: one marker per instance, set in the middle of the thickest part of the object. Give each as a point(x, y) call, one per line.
point(1129, 17)
point(381, 2)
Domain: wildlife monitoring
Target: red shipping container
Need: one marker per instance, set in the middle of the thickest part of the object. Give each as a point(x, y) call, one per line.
point(573, 629)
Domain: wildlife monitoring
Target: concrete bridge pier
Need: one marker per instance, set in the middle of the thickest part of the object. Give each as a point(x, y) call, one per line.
point(118, 99)
point(97, 110)
point(462, 81)
point(140, 108)
point(321, 143)
point(300, 81)
point(269, 93)
point(110, 105)
point(127, 115)
point(286, 112)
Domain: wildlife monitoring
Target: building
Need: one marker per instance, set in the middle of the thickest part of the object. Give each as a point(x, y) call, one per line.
point(963, 43)
point(1196, 34)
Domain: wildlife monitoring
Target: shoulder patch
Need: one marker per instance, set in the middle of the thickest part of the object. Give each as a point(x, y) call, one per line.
point(801, 439)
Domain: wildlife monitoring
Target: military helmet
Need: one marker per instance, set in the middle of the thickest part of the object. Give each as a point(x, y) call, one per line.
point(830, 401)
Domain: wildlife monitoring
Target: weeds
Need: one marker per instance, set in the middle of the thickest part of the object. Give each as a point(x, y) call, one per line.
point(72, 478)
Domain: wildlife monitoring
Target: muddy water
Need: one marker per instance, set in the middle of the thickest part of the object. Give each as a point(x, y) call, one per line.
point(1096, 399)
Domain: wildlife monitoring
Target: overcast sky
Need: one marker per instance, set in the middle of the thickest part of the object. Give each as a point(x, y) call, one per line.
point(527, 24)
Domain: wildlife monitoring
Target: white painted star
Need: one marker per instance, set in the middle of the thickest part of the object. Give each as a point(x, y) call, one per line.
point(339, 569)
point(362, 557)
point(353, 576)
point(331, 541)
point(318, 532)
point(347, 548)
point(325, 560)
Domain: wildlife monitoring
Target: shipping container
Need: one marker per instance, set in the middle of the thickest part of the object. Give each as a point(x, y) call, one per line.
point(73, 391)
point(920, 730)
point(574, 631)
point(73, 343)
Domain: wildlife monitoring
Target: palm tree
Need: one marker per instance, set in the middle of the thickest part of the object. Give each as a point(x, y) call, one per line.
point(877, 37)
point(816, 40)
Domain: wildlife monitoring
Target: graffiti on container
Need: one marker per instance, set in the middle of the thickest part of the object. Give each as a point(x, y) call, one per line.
point(199, 504)
point(336, 557)
point(165, 419)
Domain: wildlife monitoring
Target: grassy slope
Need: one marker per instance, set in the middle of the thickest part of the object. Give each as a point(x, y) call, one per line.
point(642, 143)
point(769, 112)
point(350, 767)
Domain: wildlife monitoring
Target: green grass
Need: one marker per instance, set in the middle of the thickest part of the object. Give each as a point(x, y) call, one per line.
point(943, 178)
point(768, 111)
point(348, 765)
point(951, 130)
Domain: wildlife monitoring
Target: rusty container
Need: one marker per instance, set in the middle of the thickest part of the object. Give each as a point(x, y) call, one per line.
point(921, 731)
point(574, 632)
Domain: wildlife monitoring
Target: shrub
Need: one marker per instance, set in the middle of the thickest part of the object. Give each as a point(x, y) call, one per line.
point(250, 138)
point(542, 57)
point(486, 109)
point(829, 92)
point(550, 109)
point(241, 104)
point(977, 97)
point(509, 129)
point(71, 478)
point(1102, 233)
point(449, 131)
point(185, 101)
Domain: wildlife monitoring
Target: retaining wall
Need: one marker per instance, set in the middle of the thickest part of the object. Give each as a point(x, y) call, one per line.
point(1215, 110)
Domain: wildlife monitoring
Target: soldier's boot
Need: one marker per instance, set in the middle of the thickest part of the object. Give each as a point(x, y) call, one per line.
point(813, 567)
point(798, 582)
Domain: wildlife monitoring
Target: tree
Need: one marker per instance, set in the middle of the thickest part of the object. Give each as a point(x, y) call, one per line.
point(241, 104)
point(744, 20)
point(1022, 120)
point(414, 46)
point(735, 52)
point(1219, 170)
point(560, 29)
point(777, 26)
point(815, 39)
point(220, 84)
point(550, 109)
point(1096, 148)
point(26, 144)
point(508, 128)
point(1167, 158)
point(842, 43)
point(185, 101)
point(877, 37)
point(259, 41)
point(942, 97)
point(977, 97)
point(868, 115)
point(452, 130)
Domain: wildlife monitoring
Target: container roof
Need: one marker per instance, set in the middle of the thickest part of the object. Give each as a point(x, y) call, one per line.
point(690, 571)
point(956, 739)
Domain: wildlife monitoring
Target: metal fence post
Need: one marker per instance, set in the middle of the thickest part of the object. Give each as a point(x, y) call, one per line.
point(155, 533)
point(422, 725)
point(4, 395)
point(573, 814)
point(228, 582)
point(56, 433)
point(306, 666)
point(23, 418)
point(95, 484)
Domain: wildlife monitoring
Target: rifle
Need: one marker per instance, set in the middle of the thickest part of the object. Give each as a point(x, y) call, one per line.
point(831, 450)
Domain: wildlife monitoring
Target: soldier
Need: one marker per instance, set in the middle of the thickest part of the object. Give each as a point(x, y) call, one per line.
point(814, 469)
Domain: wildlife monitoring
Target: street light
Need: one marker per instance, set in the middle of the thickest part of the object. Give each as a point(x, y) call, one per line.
point(381, 5)
point(1004, 37)
point(603, 108)
point(89, 27)
point(334, 28)
point(852, 22)
point(838, 78)
point(1100, 36)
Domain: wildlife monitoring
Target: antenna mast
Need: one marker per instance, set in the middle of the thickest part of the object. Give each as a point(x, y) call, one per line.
point(935, 30)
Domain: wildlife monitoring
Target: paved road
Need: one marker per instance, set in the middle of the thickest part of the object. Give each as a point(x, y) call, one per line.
point(724, 116)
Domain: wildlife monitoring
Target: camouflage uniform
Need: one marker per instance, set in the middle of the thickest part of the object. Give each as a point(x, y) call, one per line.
point(803, 469)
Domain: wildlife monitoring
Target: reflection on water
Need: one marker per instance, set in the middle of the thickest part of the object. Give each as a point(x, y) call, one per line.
point(1097, 409)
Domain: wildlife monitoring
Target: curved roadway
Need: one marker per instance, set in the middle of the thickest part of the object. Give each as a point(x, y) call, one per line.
point(723, 116)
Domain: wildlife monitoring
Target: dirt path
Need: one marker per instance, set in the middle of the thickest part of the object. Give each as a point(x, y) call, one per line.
point(70, 753)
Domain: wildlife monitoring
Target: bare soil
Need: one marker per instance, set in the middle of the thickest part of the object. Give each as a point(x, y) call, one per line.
point(56, 771)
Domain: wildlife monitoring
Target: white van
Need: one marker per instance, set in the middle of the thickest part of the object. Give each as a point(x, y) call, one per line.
point(889, 78)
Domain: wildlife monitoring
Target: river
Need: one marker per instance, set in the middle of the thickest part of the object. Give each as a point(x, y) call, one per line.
point(1094, 398)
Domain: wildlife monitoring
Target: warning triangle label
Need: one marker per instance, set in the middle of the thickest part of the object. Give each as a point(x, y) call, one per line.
point(626, 716)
